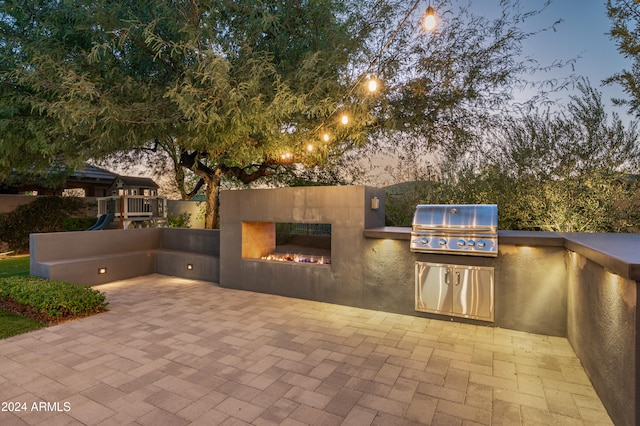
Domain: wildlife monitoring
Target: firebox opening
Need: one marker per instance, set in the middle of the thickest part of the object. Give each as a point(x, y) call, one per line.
point(287, 242)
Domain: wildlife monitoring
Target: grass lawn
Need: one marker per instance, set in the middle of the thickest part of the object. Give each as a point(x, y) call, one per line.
point(10, 323)
point(14, 266)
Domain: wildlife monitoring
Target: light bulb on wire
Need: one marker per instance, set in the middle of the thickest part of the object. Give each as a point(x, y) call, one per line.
point(372, 85)
point(344, 119)
point(429, 21)
point(326, 137)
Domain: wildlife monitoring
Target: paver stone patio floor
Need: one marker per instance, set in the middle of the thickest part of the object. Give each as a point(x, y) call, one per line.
point(172, 351)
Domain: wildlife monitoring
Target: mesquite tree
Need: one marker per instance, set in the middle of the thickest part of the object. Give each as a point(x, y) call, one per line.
point(242, 89)
point(625, 31)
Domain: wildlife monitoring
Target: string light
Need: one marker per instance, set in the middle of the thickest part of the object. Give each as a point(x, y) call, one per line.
point(429, 21)
point(381, 51)
point(372, 84)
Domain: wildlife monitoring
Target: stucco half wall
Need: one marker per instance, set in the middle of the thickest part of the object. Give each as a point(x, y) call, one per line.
point(80, 257)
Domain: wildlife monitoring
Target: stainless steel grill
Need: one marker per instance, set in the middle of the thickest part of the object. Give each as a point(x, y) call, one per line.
point(464, 229)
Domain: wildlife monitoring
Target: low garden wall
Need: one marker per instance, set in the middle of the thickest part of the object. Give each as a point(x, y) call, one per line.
point(98, 257)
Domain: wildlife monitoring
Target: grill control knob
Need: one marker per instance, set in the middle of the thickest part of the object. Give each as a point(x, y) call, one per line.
point(471, 243)
point(424, 241)
point(461, 243)
point(481, 244)
point(442, 242)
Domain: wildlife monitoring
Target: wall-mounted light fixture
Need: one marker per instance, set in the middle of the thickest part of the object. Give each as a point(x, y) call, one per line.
point(102, 271)
point(375, 203)
point(189, 266)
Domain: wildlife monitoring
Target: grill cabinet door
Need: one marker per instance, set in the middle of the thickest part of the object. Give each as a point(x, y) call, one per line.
point(473, 292)
point(455, 290)
point(433, 292)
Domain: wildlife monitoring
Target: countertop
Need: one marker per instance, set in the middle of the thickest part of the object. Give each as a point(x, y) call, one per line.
point(619, 253)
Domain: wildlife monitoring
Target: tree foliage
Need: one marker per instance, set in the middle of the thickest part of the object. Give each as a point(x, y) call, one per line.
point(569, 171)
point(625, 31)
point(245, 90)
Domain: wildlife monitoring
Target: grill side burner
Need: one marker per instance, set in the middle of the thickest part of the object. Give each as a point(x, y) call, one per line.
point(465, 229)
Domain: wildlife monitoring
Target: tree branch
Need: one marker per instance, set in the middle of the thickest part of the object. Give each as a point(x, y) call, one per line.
point(245, 175)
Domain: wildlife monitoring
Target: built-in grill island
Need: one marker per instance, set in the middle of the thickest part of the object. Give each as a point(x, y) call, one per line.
point(455, 289)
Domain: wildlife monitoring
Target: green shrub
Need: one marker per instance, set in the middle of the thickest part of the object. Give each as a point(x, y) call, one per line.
point(44, 214)
point(77, 223)
point(54, 298)
point(183, 220)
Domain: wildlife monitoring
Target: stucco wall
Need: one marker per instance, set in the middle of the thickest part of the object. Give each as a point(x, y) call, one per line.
point(531, 289)
point(202, 241)
point(602, 328)
point(530, 283)
point(389, 276)
point(76, 256)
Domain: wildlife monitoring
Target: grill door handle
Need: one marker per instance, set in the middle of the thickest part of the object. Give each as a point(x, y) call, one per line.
point(446, 277)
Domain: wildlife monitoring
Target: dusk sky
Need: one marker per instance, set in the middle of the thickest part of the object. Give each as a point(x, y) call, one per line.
point(583, 34)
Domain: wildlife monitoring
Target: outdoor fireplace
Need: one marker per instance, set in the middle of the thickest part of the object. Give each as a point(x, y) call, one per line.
point(305, 243)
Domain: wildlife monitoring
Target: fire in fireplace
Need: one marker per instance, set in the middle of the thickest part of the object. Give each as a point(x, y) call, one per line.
point(308, 243)
point(298, 258)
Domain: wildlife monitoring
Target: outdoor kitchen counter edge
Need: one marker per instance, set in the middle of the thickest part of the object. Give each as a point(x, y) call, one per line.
point(619, 253)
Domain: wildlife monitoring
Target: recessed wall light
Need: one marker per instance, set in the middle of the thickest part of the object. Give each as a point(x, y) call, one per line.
point(102, 271)
point(189, 266)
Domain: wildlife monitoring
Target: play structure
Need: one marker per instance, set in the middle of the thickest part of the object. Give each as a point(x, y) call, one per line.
point(103, 221)
point(133, 211)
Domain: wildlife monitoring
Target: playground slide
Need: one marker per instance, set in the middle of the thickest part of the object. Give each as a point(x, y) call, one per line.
point(103, 221)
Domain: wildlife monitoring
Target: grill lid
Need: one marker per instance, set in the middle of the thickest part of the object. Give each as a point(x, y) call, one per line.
point(456, 217)
point(468, 229)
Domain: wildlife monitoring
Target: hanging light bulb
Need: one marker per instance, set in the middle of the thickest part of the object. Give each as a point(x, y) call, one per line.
point(310, 147)
point(326, 137)
point(344, 119)
point(372, 84)
point(429, 21)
